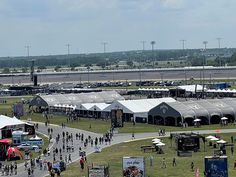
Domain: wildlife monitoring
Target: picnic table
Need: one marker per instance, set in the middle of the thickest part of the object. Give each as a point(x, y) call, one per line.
point(149, 148)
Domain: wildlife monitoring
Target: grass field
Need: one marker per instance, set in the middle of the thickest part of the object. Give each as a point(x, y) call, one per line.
point(101, 126)
point(113, 156)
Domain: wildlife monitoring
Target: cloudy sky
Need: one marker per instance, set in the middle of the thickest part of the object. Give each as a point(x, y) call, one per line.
point(48, 25)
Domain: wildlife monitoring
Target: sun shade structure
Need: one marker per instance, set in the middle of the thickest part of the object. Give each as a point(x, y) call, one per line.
point(210, 137)
point(221, 142)
point(160, 144)
point(224, 118)
point(214, 139)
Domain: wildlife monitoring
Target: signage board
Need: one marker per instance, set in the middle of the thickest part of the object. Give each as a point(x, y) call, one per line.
point(216, 166)
point(133, 166)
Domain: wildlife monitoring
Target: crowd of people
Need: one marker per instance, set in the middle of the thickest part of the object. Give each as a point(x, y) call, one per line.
point(8, 169)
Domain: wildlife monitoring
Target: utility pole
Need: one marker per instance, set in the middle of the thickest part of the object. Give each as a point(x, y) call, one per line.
point(68, 53)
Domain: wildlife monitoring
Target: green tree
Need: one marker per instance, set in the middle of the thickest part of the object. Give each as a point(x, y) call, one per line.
point(41, 68)
point(6, 70)
point(57, 68)
point(130, 63)
point(24, 70)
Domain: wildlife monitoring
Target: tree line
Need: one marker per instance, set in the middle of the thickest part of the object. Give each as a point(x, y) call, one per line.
point(192, 57)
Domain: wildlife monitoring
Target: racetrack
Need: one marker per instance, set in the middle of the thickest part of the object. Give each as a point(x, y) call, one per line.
point(123, 75)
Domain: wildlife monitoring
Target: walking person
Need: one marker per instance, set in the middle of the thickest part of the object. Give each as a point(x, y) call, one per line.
point(81, 163)
point(133, 136)
point(69, 158)
point(174, 162)
point(15, 168)
point(192, 166)
point(232, 150)
point(163, 163)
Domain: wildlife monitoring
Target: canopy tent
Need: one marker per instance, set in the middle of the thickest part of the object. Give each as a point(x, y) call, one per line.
point(221, 142)
point(224, 118)
point(191, 88)
point(214, 139)
point(156, 139)
point(13, 151)
point(6, 141)
point(160, 144)
point(210, 137)
point(8, 121)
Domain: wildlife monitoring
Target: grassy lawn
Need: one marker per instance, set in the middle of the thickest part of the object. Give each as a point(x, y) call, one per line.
point(6, 108)
point(113, 157)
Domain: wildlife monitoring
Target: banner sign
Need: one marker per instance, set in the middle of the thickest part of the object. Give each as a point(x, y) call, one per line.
point(216, 166)
point(96, 172)
point(133, 166)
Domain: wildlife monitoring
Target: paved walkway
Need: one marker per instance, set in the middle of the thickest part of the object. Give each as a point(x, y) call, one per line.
point(117, 138)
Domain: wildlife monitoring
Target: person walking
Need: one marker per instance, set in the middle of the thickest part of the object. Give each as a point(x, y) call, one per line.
point(81, 163)
point(192, 166)
point(163, 163)
point(232, 150)
point(174, 162)
point(69, 158)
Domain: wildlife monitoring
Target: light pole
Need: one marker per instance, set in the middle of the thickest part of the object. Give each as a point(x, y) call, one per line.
point(104, 46)
point(143, 44)
point(68, 53)
point(185, 73)
point(88, 68)
point(152, 44)
point(219, 42)
point(203, 66)
point(183, 43)
point(28, 50)
point(32, 62)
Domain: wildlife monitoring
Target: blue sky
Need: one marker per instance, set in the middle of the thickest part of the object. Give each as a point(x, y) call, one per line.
point(48, 25)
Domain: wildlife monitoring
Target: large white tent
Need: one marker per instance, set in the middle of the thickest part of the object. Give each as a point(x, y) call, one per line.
point(8, 123)
point(138, 108)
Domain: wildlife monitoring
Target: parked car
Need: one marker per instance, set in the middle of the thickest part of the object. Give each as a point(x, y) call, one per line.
point(27, 146)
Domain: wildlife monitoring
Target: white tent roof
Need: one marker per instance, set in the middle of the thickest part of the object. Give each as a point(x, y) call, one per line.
point(99, 106)
point(8, 121)
point(86, 106)
point(137, 106)
point(190, 88)
point(35, 138)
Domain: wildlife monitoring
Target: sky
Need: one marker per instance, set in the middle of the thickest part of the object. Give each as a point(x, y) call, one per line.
point(47, 26)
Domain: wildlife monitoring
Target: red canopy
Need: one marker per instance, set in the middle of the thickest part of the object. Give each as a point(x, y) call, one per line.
point(13, 150)
point(6, 141)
